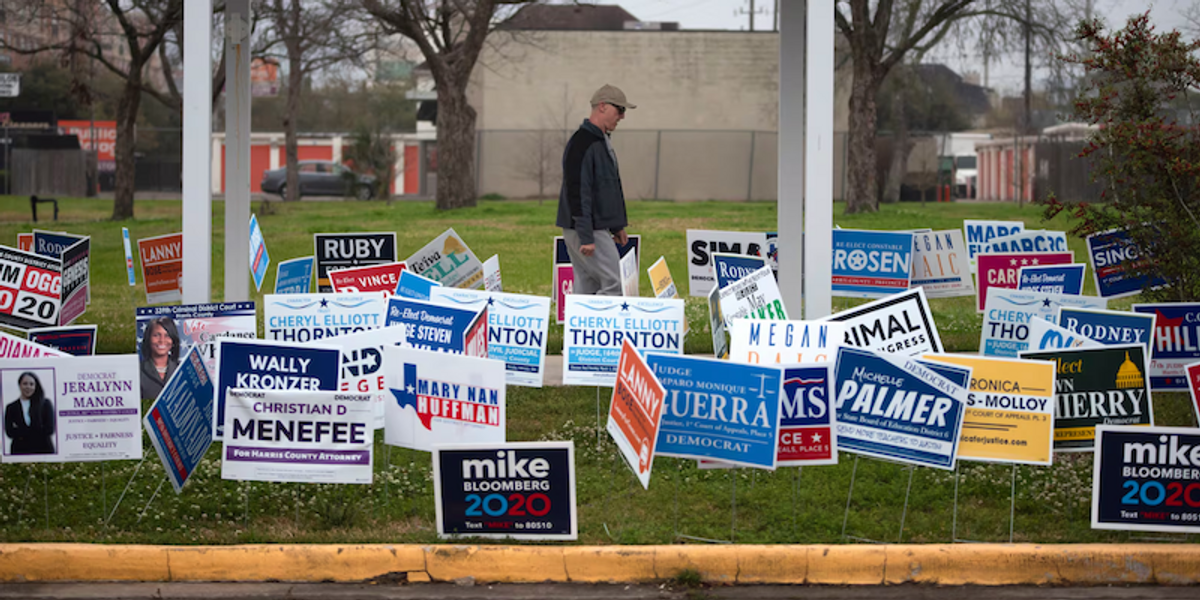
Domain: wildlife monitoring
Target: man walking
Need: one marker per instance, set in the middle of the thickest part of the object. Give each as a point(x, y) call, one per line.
point(591, 203)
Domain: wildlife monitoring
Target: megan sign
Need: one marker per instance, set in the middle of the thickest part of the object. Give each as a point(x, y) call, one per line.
point(940, 264)
point(307, 317)
point(774, 342)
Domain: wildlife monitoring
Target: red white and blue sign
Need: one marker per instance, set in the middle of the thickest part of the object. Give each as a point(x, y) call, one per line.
point(806, 420)
point(733, 267)
point(898, 408)
point(1116, 260)
point(263, 365)
point(1109, 327)
point(260, 259)
point(718, 410)
point(871, 264)
point(179, 422)
point(76, 340)
point(1144, 479)
point(523, 490)
point(442, 399)
point(439, 328)
point(53, 243)
point(1052, 279)
point(1176, 342)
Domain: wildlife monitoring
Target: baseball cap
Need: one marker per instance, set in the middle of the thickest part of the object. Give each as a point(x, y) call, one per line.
point(611, 94)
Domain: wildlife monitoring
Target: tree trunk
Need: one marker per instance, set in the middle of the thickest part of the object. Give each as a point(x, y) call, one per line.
point(862, 192)
point(455, 148)
point(901, 149)
point(292, 105)
point(126, 144)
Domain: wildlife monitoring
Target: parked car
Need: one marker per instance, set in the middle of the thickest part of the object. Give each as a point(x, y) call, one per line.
point(321, 178)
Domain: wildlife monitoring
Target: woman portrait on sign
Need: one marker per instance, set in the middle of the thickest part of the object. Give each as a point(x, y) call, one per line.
point(160, 356)
point(29, 420)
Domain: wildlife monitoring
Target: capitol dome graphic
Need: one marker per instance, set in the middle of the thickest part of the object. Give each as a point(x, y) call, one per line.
point(1128, 376)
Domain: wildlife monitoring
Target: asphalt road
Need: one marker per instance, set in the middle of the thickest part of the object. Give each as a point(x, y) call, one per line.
point(391, 591)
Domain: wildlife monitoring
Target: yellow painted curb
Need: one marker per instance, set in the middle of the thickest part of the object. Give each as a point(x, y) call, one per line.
point(998, 564)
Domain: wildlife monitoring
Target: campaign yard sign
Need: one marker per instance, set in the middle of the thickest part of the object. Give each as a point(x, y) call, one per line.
point(1035, 240)
point(1010, 409)
point(703, 243)
point(25, 242)
point(201, 326)
point(629, 274)
point(597, 325)
point(716, 324)
point(718, 410)
point(1193, 377)
point(260, 259)
point(298, 437)
point(308, 317)
point(520, 490)
point(162, 267)
point(128, 256)
point(76, 289)
point(940, 264)
point(755, 296)
point(362, 363)
point(870, 264)
point(1144, 479)
point(1002, 270)
point(662, 284)
point(774, 342)
point(442, 399)
point(517, 328)
point(30, 288)
point(264, 365)
point(491, 274)
point(371, 278)
point(898, 324)
point(294, 276)
point(1176, 342)
point(1109, 327)
point(12, 346)
point(1044, 335)
point(91, 409)
point(179, 423)
point(730, 268)
point(895, 408)
point(76, 340)
point(1009, 313)
point(1097, 386)
point(52, 244)
point(411, 285)
point(1056, 279)
point(1115, 260)
point(635, 412)
point(806, 417)
point(439, 328)
point(981, 233)
point(344, 250)
point(449, 261)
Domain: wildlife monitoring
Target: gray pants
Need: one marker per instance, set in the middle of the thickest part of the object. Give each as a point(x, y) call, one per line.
point(600, 273)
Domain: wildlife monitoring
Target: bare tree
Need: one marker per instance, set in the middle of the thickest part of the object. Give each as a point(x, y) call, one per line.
point(540, 159)
point(450, 35)
point(308, 37)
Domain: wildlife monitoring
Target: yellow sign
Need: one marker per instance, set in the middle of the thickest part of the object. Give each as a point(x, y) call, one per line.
point(664, 286)
point(1010, 409)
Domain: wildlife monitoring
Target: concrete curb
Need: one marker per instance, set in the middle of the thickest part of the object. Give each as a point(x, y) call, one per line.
point(999, 564)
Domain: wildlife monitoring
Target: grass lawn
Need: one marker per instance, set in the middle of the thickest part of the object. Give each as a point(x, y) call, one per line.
point(69, 502)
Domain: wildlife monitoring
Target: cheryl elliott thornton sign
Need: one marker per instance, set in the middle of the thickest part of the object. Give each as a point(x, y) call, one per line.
point(307, 317)
point(443, 399)
point(899, 409)
point(635, 412)
point(298, 437)
point(596, 326)
point(898, 324)
point(81, 408)
point(517, 329)
point(263, 365)
point(1009, 313)
point(774, 342)
point(718, 410)
point(940, 264)
point(1176, 342)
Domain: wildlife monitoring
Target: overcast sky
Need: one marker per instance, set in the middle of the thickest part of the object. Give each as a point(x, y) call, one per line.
point(1006, 76)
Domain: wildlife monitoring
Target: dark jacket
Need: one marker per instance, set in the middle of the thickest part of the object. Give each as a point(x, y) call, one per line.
point(34, 438)
point(152, 384)
point(591, 197)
